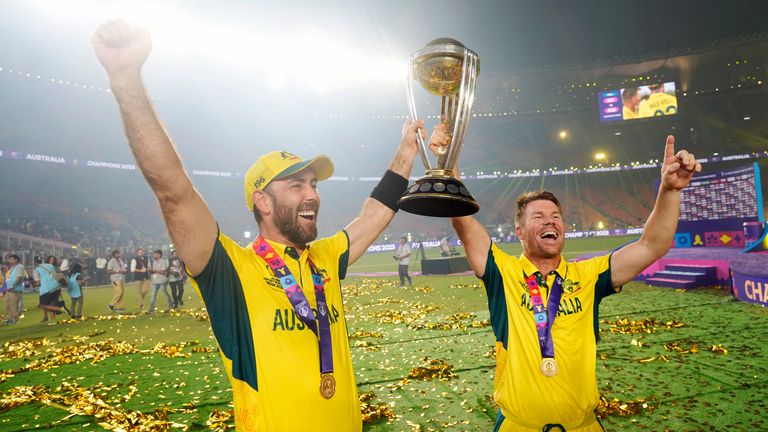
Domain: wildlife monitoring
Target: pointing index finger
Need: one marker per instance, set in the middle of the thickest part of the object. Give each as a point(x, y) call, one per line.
point(669, 147)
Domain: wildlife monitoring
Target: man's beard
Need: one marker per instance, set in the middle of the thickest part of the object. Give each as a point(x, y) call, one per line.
point(286, 220)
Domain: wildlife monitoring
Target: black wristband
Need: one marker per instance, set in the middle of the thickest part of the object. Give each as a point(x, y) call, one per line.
point(389, 190)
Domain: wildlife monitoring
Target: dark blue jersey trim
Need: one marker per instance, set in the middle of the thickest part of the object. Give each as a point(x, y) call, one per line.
point(344, 259)
point(497, 302)
point(603, 288)
point(224, 299)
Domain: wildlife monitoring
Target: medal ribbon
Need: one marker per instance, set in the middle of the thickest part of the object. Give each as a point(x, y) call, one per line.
point(299, 300)
point(545, 317)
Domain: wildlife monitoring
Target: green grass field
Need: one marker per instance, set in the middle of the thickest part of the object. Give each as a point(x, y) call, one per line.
point(693, 361)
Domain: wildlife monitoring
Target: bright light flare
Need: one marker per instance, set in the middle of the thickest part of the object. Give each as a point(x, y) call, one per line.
point(280, 56)
point(600, 156)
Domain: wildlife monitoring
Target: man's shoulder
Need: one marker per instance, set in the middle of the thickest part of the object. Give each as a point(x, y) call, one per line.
point(595, 264)
point(340, 237)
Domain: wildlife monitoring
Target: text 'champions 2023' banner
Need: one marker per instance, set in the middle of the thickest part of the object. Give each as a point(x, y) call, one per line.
point(752, 289)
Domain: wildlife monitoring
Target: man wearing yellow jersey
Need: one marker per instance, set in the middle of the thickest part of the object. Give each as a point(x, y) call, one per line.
point(629, 101)
point(275, 306)
point(658, 103)
point(544, 310)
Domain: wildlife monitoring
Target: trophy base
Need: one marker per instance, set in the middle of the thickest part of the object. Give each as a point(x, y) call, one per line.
point(438, 196)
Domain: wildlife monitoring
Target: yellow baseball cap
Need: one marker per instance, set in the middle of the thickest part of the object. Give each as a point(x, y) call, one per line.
point(280, 164)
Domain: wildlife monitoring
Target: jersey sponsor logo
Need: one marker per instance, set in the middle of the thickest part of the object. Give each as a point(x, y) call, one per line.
point(279, 283)
point(286, 319)
point(571, 287)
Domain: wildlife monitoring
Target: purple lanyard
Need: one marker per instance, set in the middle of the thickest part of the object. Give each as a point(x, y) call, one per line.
point(544, 318)
point(299, 300)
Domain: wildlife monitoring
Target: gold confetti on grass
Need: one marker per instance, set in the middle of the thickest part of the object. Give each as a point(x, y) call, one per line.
point(655, 358)
point(627, 326)
point(367, 345)
point(693, 349)
point(23, 348)
point(457, 321)
point(389, 300)
point(491, 354)
point(411, 312)
point(678, 348)
point(200, 314)
point(434, 368)
point(682, 349)
point(467, 285)
point(616, 407)
point(719, 349)
point(372, 411)
point(366, 334)
point(94, 352)
point(90, 402)
point(221, 420)
point(365, 287)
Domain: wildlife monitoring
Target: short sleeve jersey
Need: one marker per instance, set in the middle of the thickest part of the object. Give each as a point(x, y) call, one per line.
point(658, 104)
point(271, 357)
point(525, 395)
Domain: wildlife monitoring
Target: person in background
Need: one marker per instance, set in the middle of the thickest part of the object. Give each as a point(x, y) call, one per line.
point(75, 289)
point(140, 271)
point(116, 270)
point(64, 265)
point(403, 257)
point(14, 283)
point(101, 270)
point(176, 276)
point(630, 101)
point(50, 289)
point(159, 278)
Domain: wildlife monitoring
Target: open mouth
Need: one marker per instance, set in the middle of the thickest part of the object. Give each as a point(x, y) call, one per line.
point(549, 235)
point(309, 215)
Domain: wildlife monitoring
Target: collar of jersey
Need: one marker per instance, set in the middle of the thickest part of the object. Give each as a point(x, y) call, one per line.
point(283, 249)
point(529, 268)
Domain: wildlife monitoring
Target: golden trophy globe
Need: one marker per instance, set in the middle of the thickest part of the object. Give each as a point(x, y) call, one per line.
point(447, 69)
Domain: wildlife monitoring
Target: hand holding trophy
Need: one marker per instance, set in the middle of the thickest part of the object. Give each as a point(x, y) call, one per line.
point(447, 69)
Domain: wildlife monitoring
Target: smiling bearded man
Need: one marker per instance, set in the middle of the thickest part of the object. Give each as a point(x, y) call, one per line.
point(544, 309)
point(275, 305)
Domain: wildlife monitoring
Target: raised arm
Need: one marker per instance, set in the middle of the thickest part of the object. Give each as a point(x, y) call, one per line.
point(472, 233)
point(122, 49)
point(375, 216)
point(659, 232)
point(475, 240)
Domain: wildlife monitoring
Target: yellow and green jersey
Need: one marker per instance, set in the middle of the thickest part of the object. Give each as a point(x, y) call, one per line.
point(529, 400)
point(628, 113)
point(271, 357)
point(658, 104)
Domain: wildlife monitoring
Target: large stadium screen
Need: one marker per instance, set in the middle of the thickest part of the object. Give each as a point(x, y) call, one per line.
point(714, 208)
point(631, 103)
point(722, 195)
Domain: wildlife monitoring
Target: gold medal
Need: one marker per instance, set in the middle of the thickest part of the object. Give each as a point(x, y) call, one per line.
point(548, 367)
point(327, 385)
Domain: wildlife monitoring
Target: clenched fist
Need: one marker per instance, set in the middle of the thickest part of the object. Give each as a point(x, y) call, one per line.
point(122, 48)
